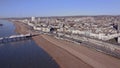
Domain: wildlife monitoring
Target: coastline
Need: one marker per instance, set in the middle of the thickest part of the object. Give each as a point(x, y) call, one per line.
point(60, 56)
point(20, 29)
point(69, 56)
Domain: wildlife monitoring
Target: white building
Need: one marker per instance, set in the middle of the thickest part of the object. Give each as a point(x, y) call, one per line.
point(101, 36)
point(60, 30)
point(45, 29)
point(37, 28)
point(32, 18)
point(30, 24)
point(118, 39)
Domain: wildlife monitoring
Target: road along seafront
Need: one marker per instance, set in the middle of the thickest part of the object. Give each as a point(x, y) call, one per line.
point(68, 54)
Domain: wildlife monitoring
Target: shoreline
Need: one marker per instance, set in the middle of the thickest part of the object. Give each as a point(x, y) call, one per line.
point(70, 55)
point(50, 49)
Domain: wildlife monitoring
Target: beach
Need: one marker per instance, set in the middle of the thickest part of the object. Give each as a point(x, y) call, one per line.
point(68, 54)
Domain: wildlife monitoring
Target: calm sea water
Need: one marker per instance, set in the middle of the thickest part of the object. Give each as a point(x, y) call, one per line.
point(22, 54)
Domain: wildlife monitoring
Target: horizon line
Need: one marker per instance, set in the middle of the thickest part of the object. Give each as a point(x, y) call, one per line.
point(63, 15)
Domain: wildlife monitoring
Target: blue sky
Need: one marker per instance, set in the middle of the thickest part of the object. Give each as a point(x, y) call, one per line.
point(23, 8)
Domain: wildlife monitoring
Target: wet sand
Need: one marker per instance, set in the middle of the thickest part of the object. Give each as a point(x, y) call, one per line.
point(71, 55)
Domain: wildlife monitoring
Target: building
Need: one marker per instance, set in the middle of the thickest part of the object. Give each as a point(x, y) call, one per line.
point(32, 18)
point(38, 20)
point(119, 27)
point(118, 32)
point(118, 39)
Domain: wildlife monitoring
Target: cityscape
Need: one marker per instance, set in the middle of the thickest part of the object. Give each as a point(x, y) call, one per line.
point(88, 26)
point(60, 34)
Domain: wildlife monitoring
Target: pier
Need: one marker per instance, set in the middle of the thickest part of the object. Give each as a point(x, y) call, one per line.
point(15, 38)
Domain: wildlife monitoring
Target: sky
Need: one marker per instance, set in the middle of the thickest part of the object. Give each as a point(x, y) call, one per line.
point(26, 8)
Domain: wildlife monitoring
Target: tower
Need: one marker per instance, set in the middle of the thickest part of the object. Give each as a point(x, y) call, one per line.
point(32, 18)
